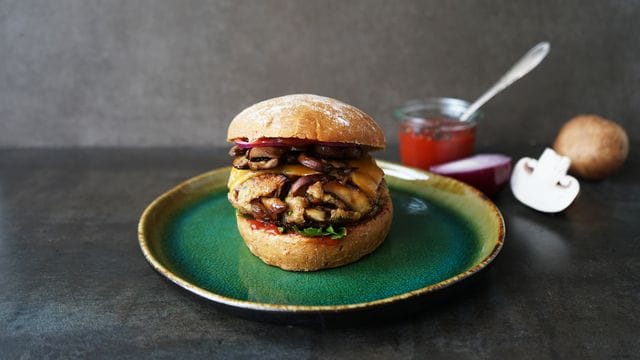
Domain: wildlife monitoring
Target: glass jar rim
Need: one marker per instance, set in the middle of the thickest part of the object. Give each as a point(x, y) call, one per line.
point(442, 107)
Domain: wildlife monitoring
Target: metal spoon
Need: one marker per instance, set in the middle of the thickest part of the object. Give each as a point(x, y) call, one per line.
point(528, 62)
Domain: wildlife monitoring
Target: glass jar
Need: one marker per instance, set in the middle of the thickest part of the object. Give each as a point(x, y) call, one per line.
point(430, 131)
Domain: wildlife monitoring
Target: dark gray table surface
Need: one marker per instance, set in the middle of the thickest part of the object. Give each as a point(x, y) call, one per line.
point(74, 283)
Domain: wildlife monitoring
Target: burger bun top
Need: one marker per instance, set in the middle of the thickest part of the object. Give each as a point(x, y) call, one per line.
point(308, 117)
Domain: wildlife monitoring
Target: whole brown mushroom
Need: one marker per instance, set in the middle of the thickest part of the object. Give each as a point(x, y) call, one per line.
point(596, 146)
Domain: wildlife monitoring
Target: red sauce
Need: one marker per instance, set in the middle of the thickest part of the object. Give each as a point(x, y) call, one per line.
point(271, 228)
point(261, 225)
point(435, 141)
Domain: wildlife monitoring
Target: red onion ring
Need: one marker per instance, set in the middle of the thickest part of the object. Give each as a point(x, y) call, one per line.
point(286, 142)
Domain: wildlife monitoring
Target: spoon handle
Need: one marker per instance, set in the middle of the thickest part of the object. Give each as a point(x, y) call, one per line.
point(527, 63)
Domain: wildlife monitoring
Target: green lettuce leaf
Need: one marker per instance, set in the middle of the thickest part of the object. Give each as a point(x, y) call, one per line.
point(338, 233)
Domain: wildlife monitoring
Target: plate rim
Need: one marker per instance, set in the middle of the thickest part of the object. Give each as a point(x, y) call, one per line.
point(418, 174)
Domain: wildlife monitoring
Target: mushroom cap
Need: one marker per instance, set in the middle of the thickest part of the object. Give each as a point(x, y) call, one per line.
point(596, 146)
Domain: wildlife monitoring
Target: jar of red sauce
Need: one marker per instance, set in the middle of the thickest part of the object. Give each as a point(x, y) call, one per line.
point(430, 132)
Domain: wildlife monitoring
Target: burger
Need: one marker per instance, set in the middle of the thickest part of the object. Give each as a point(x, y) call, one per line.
point(307, 194)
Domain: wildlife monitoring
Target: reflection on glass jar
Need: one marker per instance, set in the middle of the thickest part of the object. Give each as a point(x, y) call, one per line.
point(431, 133)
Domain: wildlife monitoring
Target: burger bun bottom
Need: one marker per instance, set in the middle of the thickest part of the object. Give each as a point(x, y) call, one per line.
point(295, 252)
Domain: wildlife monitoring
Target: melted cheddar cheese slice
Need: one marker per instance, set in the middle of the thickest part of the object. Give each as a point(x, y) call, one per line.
point(367, 175)
point(238, 176)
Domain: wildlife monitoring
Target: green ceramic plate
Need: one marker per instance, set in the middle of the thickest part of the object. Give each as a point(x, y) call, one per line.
point(443, 231)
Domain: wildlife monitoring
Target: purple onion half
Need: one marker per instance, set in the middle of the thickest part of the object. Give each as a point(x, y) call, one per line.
point(488, 173)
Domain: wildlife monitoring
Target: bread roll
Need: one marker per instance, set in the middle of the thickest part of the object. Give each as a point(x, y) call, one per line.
point(305, 116)
point(296, 252)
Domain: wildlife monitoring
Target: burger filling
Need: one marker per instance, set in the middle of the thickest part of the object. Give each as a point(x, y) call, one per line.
point(312, 189)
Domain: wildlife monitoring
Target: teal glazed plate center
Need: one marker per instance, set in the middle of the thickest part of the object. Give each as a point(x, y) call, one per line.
point(442, 232)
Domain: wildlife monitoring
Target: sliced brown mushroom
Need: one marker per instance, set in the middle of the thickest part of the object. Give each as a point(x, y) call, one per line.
point(274, 205)
point(316, 214)
point(236, 151)
point(258, 210)
point(240, 162)
point(342, 174)
point(315, 192)
point(332, 201)
point(355, 198)
point(337, 164)
point(295, 214)
point(265, 152)
point(300, 185)
point(340, 216)
point(264, 164)
point(266, 185)
point(313, 163)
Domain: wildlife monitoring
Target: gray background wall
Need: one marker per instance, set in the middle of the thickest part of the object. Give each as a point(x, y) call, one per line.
point(165, 73)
